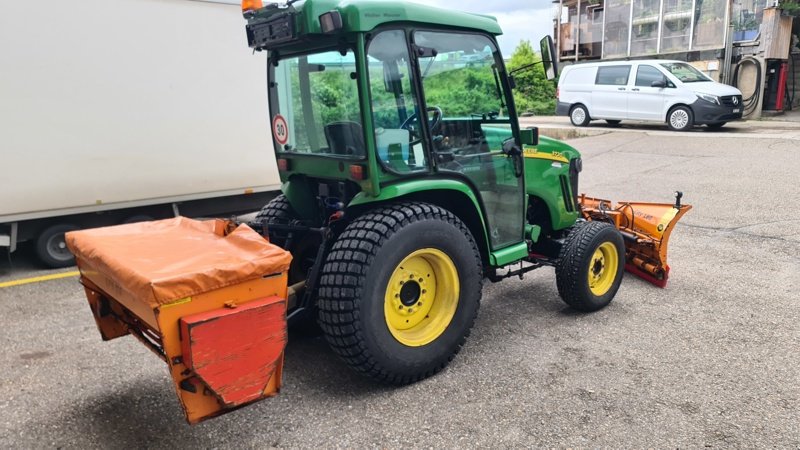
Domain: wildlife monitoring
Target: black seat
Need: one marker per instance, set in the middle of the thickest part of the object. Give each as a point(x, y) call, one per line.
point(345, 138)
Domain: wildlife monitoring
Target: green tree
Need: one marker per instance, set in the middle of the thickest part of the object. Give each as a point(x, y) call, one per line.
point(534, 92)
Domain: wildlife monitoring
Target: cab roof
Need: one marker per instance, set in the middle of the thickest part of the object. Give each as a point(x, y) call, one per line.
point(366, 15)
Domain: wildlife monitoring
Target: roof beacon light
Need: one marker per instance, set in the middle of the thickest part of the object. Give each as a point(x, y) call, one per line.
point(330, 22)
point(250, 6)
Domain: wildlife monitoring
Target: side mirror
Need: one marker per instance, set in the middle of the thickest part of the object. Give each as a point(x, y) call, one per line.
point(529, 136)
point(658, 84)
point(548, 50)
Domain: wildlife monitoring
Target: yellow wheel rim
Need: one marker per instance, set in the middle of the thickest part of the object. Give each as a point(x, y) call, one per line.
point(421, 297)
point(603, 268)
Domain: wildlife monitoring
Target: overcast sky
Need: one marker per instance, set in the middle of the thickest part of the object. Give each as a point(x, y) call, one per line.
point(520, 19)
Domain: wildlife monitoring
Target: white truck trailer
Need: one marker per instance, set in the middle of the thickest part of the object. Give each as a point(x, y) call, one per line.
point(124, 110)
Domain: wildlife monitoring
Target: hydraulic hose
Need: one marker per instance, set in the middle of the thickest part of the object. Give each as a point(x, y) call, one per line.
point(750, 103)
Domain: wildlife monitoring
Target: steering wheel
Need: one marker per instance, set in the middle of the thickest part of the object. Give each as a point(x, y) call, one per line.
point(434, 124)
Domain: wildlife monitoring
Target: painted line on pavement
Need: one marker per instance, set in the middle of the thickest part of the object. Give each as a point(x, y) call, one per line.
point(54, 276)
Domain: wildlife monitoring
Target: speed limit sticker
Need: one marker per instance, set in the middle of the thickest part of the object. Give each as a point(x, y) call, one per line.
point(280, 129)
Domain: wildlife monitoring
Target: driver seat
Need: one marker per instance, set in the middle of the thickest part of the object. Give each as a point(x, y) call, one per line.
point(345, 138)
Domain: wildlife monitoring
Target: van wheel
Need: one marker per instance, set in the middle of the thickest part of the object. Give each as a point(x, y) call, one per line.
point(51, 246)
point(680, 118)
point(579, 116)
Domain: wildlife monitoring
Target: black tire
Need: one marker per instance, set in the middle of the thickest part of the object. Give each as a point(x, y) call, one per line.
point(579, 116)
point(680, 118)
point(716, 126)
point(578, 257)
point(51, 247)
point(613, 123)
point(353, 291)
point(279, 211)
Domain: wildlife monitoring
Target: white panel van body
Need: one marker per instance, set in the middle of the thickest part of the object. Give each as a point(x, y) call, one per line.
point(653, 90)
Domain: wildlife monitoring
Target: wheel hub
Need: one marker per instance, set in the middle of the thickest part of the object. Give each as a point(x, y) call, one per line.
point(421, 297)
point(603, 268)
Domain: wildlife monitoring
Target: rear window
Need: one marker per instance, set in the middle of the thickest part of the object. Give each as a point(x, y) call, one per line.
point(613, 75)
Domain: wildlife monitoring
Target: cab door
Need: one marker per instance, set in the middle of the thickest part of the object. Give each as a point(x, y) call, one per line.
point(467, 98)
point(645, 101)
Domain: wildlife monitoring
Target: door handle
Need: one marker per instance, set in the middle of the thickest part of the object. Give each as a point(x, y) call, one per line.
point(620, 89)
point(635, 89)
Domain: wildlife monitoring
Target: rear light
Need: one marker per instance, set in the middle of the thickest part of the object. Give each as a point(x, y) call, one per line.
point(357, 172)
point(283, 165)
point(249, 6)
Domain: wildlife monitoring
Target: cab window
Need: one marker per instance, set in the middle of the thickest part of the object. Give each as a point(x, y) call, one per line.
point(646, 75)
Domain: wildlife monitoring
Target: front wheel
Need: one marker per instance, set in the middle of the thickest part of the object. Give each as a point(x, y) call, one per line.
point(590, 266)
point(680, 118)
point(400, 290)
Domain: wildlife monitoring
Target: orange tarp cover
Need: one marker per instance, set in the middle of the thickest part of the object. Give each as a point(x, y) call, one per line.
point(163, 261)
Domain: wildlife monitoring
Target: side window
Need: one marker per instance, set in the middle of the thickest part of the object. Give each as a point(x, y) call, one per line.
point(613, 75)
point(397, 138)
point(646, 75)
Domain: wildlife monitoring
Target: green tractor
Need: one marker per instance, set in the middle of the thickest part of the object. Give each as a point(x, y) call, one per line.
point(407, 182)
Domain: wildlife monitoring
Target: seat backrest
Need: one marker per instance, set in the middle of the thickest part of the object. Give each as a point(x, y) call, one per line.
point(345, 138)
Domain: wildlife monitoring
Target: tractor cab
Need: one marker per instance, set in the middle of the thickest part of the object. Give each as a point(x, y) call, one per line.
point(365, 96)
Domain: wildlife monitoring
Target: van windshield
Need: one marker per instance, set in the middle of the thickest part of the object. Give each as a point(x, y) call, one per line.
point(685, 72)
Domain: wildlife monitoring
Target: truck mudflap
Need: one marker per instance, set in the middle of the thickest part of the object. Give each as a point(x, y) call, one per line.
point(645, 227)
point(207, 297)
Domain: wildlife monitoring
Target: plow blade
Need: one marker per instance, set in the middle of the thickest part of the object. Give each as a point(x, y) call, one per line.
point(645, 227)
point(207, 298)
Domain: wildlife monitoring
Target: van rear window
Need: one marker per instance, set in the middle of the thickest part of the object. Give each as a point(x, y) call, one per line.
point(613, 75)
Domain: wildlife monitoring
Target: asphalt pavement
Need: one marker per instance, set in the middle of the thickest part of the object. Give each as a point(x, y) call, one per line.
point(710, 361)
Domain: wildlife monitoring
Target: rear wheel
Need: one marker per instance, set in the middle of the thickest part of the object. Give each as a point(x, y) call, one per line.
point(591, 265)
point(303, 248)
point(400, 291)
point(51, 246)
point(579, 116)
point(680, 118)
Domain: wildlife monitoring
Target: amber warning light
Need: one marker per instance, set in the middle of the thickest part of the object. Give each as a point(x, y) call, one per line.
point(248, 6)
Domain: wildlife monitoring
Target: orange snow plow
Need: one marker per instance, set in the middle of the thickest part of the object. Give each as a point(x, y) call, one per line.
point(207, 297)
point(645, 227)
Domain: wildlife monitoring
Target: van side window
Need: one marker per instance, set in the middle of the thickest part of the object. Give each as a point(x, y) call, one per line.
point(613, 75)
point(646, 75)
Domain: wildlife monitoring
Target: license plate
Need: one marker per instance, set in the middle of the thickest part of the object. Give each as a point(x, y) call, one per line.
point(736, 110)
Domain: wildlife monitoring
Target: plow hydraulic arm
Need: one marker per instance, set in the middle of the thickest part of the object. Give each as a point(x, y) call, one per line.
point(645, 227)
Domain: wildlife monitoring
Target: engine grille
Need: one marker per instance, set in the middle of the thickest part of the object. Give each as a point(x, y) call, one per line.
point(731, 100)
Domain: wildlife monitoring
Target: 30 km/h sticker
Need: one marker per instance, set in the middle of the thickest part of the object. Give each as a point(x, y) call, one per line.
point(280, 129)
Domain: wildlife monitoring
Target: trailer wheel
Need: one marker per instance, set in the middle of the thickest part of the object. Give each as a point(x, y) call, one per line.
point(400, 290)
point(590, 266)
point(51, 246)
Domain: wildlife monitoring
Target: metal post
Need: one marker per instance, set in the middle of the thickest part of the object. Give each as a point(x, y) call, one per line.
point(603, 34)
point(558, 29)
point(578, 30)
point(660, 26)
point(630, 30)
point(691, 25)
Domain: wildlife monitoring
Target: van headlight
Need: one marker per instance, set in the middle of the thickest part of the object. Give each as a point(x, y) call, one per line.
point(708, 97)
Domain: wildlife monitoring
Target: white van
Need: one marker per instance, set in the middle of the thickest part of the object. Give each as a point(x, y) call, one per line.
point(655, 90)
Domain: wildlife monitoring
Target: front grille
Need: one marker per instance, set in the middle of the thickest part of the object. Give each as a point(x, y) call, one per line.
point(733, 101)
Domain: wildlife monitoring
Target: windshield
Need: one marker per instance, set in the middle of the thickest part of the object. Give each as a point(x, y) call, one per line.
point(685, 72)
point(314, 105)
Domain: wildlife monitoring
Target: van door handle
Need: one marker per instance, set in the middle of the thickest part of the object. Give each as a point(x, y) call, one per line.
point(635, 89)
point(620, 89)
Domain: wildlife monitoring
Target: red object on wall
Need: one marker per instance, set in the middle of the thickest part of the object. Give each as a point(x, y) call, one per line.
point(781, 86)
point(236, 351)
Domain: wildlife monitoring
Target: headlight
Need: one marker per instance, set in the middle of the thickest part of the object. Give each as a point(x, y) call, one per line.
point(708, 97)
